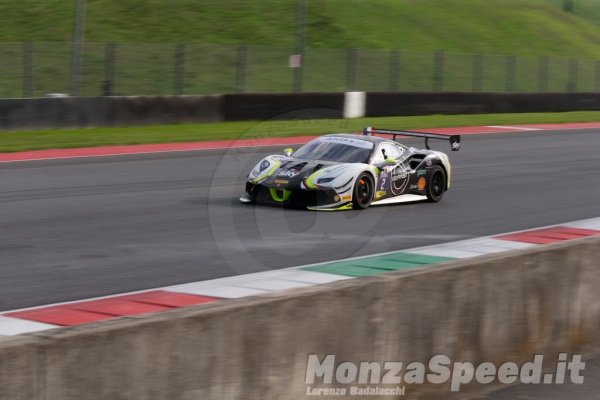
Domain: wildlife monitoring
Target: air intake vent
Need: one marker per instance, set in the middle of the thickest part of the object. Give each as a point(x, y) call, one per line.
point(298, 167)
point(416, 161)
point(317, 167)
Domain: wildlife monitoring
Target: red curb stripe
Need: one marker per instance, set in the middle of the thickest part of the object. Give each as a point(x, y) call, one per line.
point(224, 144)
point(550, 235)
point(149, 148)
point(97, 310)
point(59, 316)
point(169, 299)
point(117, 307)
point(573, 125)
point(470, 130)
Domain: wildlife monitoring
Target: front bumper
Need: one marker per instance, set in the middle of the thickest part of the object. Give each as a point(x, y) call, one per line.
point(297, 198)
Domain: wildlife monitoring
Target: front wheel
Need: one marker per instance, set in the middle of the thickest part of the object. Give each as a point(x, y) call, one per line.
point(437, 184)
point(363, 191)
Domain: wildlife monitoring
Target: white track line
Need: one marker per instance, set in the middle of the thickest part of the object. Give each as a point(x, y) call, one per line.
point(518, 128)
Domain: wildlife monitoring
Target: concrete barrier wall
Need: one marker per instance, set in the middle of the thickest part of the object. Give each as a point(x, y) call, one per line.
point(166, 110)
point(261, 107)
point(56, 113)
point(94, 112)
point(495, 308)
point(399, 104)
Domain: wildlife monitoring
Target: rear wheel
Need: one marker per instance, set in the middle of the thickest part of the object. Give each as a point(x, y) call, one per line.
point(437, 184)
point(363, 191)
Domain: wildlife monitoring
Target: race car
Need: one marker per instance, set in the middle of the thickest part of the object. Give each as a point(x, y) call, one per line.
point(348, 171)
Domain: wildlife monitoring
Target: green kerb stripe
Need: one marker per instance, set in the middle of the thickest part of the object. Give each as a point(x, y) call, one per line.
point(376, 265)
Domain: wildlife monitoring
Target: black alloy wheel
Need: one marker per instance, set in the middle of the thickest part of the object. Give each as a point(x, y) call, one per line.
point(363, 191)
point(436, 185)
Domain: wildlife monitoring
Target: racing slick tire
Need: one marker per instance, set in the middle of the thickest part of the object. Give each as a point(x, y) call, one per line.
point(363, 191)
point(436, 185)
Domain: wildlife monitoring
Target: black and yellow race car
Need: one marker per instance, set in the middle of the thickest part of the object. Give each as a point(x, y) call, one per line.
point(348, 171)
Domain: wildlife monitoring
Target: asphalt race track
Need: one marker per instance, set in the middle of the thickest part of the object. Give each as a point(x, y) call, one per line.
point(80, 228)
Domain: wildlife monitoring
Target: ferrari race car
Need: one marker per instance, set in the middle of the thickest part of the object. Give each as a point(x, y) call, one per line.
point(345, 171)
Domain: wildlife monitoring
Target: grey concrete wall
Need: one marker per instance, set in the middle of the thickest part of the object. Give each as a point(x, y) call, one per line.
point(495, 308)
point(54, 113)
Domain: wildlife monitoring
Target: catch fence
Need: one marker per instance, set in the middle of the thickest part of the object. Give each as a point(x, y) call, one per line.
point(124, 69)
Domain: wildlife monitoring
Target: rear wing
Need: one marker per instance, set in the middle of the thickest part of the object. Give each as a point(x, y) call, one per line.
point(454, 139)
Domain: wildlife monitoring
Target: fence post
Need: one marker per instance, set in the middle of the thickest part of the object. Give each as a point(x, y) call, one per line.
point(240, 69)
point(511, 73)
point(438, 71)
point(300, 44)
point(78, 44)
point(179, 75)
point(299, 72)
point(477, 72)
point(394, 85)
point(573, 75)
point(568, 5)
point(351, 69)
point(109, 69)
point(543, 74)
point(28, 69)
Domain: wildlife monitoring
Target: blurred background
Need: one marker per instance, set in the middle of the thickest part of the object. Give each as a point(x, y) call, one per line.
point(156, 47)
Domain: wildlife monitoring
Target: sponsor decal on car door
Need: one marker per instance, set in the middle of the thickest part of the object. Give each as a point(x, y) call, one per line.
point(399, 180)
point(384, 181)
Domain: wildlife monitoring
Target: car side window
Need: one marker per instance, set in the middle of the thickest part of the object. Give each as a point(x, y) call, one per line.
point(400, 150)
point(391, 150)
point(378, 155)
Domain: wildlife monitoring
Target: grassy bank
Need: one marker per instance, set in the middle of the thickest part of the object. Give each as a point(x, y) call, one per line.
point(146, 34)
point(49, 139)
point(521, 27)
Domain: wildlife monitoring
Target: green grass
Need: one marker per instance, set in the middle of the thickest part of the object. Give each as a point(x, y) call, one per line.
point(50, 139)
point(522, 27)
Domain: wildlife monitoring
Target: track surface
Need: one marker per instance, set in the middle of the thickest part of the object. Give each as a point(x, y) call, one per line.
point(81, 228)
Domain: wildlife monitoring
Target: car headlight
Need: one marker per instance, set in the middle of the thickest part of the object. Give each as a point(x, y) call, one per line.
point(325, 180)
point(264, 165)
point(263, 169)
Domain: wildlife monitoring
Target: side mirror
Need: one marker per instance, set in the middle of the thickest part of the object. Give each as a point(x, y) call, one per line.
point(387, 163)
point(288, 152)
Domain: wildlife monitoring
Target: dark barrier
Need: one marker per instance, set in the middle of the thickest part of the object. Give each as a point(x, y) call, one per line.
point(417, 103)
point(261, 107)
point(54, 113)
point(166, 110)
point(88, 112)
point(91, 112)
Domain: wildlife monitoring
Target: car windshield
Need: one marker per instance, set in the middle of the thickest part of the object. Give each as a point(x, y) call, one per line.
point(340, 152)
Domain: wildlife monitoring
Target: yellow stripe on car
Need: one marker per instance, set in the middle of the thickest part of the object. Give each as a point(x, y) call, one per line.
point(285, 194)
point(308, 180)
point(344, 207)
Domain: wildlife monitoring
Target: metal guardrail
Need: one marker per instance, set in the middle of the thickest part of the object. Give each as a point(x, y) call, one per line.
point(35, 69)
